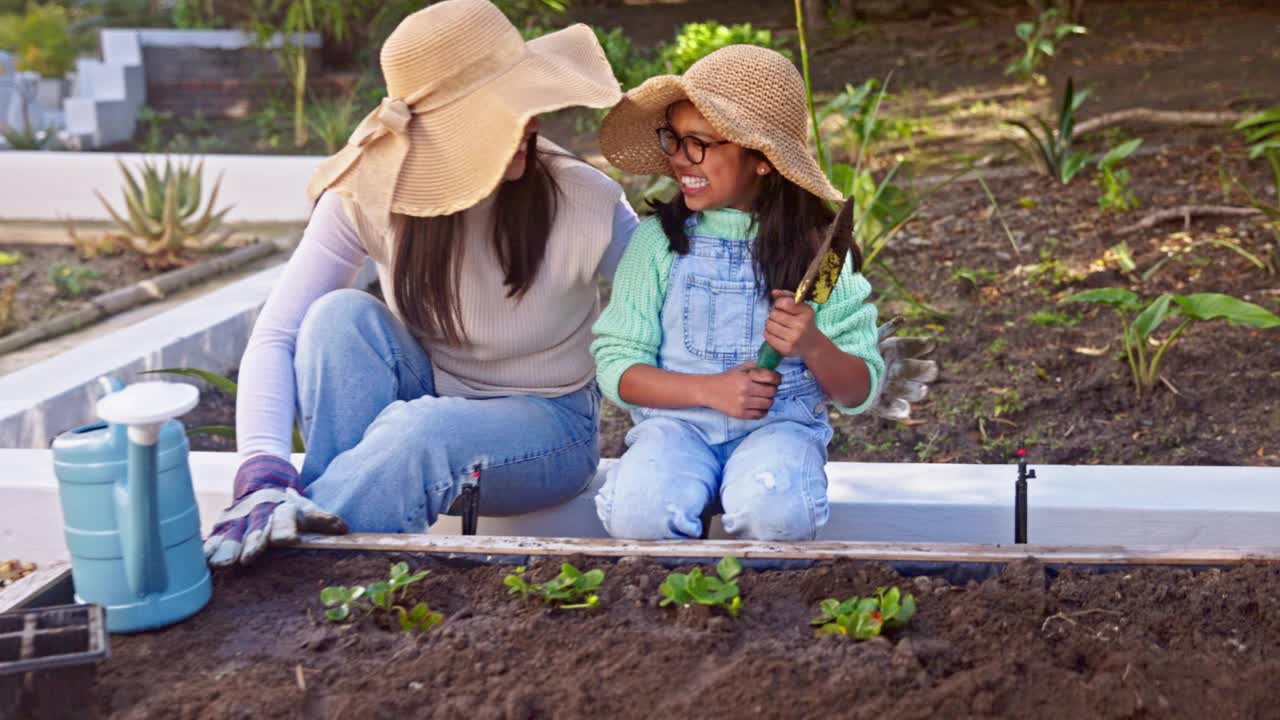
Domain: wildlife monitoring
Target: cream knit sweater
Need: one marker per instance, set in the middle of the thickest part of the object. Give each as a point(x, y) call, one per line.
point(537, 345)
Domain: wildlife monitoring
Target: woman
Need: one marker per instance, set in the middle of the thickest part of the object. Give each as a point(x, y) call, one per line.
point(488, 243)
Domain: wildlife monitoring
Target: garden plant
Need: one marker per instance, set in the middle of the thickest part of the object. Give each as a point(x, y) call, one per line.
point(865, 618)
point(694, 588)
point(1041, 38)
point(1140, 319)
point(1053, 146)
point(162, 215)
point(383, 596)
point(1113, 181)
point(1262, 132)
point(572, 589)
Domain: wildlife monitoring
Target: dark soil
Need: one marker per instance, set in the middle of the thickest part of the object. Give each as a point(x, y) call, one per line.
point(1019, 368)
point(1152, 642)
point(38, 299)
point(1170, 54)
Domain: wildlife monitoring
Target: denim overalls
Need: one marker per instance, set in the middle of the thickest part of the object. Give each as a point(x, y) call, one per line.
point(768, 473)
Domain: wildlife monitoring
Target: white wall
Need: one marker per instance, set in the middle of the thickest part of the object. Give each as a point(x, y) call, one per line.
point(56, 185)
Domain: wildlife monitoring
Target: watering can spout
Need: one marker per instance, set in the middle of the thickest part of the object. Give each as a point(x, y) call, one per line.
point(139, 515)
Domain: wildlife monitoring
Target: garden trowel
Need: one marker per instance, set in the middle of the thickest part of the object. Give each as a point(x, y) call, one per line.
point(822, 274)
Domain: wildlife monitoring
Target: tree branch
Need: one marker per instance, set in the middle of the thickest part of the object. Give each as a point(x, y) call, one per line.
point(1185, 213)
point(1160, 117)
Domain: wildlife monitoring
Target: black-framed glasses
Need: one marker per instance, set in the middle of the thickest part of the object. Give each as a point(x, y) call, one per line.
point(694, 149)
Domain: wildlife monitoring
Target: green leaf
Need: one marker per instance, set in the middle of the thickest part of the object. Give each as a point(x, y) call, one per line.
point(1151, 317)
point(380, 594)
point(224, 384)
point(675, 589)
point(1211, 306)
point(842, 178)
point(1069, 29)
point(906, 611)
point(1261, 132)
point(830, 609)
point(1119, 297)
point(590, 580)
point(334, 594)
point(1023, 31)
point(831, 629)
point(8, 258)
point(225, 431)
point(889, 601)
point(728, 568)
point(735, 606)
point(1074, 164)
point(1045, 46)
point(1260, 149)
point(569, 571)
point(1265, 117)
point(338, 614)
point(1118, 153)
point(399, 569)
point(714, 591)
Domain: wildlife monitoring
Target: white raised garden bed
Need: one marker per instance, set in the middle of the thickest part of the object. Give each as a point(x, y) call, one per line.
point(1091, 506)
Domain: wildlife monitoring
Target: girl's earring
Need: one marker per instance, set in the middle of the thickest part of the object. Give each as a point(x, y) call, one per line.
point(762, 170)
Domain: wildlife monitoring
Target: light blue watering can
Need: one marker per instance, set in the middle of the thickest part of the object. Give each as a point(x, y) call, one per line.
point(129, 510)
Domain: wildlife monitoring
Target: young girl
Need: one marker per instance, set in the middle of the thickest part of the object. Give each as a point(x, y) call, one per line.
point(698, 289)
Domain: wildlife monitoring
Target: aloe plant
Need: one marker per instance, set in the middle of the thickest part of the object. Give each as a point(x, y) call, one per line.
point(163, 209)
point(1140, 320)
point(1053, 147)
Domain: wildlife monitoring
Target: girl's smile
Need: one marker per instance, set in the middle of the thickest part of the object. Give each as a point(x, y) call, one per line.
point(728, 176)
point(693, 184)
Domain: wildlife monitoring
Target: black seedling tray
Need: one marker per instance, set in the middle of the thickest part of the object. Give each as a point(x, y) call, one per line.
point(48, 657)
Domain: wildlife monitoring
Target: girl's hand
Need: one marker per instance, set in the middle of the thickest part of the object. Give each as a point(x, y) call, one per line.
point(791, 329)
point(744, 392)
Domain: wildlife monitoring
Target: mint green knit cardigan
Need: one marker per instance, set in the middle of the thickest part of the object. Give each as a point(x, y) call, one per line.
point(629, 331)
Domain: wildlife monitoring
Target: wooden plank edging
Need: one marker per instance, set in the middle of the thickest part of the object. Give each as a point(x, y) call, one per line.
point(44, 577)
point(824, 550)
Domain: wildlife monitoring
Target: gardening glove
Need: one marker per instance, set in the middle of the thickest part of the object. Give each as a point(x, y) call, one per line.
point(269, 509)
point(906, 375)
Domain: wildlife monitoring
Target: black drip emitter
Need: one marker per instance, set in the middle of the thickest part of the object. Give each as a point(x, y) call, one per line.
point(1020, 499)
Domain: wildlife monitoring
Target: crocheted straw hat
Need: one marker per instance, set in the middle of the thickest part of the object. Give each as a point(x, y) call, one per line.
point(462, 84)
point(752, 96)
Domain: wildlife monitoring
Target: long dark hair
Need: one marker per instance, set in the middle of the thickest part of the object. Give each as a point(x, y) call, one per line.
point(428, 261)
point(789, 221)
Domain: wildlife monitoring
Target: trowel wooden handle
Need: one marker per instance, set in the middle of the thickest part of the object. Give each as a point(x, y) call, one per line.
point(768, 357)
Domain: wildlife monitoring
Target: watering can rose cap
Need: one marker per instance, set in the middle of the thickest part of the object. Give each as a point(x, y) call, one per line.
point(461, 84)
point(751, 95)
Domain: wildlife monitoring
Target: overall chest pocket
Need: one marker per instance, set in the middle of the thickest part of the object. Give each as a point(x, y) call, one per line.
point(718, 316)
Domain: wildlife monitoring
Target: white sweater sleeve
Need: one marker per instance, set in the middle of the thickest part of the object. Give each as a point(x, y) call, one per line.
point(328, 258)
point(624, 225)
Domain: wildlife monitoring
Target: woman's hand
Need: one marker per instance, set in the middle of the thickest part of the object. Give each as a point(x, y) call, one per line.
point(269, 509)
point(744, 392)
point(791, 328)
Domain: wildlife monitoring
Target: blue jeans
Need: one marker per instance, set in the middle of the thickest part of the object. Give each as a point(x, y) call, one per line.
point(769, 474)
point(388, 455)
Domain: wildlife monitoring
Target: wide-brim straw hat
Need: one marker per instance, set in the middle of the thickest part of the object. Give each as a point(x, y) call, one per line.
point(751, 95)
point(461, 84)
